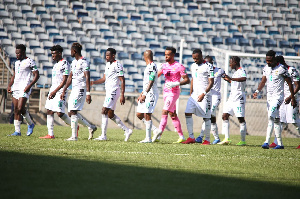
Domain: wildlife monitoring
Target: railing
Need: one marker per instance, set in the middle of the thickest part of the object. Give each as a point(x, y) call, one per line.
point(7, 66)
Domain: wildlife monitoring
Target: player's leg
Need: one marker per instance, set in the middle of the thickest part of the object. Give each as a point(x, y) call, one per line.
point(214, 129)
point(148, 123)
point(118, 121)
point(204, 110)
point(50, 125)
point(189, 110)
point(225, 129)
point(25, 113)
point(177, 125)
point(243, 131)
point(104, 124)
point(17, 118)
point(91, 128)
point(74, 125)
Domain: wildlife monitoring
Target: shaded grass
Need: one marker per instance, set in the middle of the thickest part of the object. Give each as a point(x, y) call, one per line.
point(35, 168)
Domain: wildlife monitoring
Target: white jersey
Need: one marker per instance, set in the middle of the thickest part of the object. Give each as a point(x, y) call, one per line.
point(78, 68)
point(219, 73)
point(200, 75)
point(113, 71)
point(275, 81)
point(238, 88)
point(150, 74)
point(60, 69)
point(294, 74)
point(23, 69)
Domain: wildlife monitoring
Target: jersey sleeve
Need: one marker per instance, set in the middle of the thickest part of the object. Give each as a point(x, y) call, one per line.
point(65, 68)
point(243, 73)
point(85, 65)
point(284, 72)
point(210, 70)
point(222, 73)
point(193, 71)
point(182, 70)
point(264, 71)
point(152, 72)
point(119, 69)
point(32, 65)
point(295, 75)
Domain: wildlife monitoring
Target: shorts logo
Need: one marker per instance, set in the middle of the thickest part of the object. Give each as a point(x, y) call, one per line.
point(60, 104)
point(168, 103)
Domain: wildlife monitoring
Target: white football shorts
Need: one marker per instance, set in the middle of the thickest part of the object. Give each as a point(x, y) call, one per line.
point(149, 104)
point(76, 100)
point(200, 109)
point(111, 99)
point(236, 108)
point(288, 114)
point(20, 93)
point(215, 102)
point(56, 104)
point(273, 106)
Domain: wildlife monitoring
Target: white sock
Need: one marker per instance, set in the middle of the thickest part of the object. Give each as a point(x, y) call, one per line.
point(243, 131)
point(118, 121)
point(214, 130)
point(152, 128)
point(27, 118)
point(225, 128)
point(104, 125)
point(50, 124)
point(207, 127)
point(17, 125)
point(148, 129)
point(277, 130)
point(297, 125)
point(190, 125)
point(269, 129)
point(66, 119)
point(83, 121)
point(202, 129)
point(74, 125)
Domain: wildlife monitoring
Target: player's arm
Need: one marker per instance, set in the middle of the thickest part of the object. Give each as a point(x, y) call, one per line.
point(12, 79)
point(122, 97)
point(209, 86)
point(186, 80)
point(35, 79)
point(191, 88)
point(160, 72)
point(239, 79)
point(289, 82)
point(53, 93)
point(260, 86)
point(88, 86)
point(296, 89)
point(68, 83)
point(98, 81)
point(142, 96)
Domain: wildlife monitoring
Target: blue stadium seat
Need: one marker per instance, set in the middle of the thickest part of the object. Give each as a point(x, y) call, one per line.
point(136, 56)
point(154, 44)
point(98, 61)
point(243, 42)
point(217, 41)
point(122, 55)
point(237, 35)
point(230, 41)
point(296, 46)
point(290, 52)
point(257, 43)
point(284, 44)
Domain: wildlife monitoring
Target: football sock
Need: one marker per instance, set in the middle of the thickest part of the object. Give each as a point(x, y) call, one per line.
point(275, 141)
point(17, 125)
point(83, 121)
point(277, 130)
point(202, 129)
point(297, 125)
point(27, 118)
point(243, 130)
point(163, 122)
point(225, 128)
point(74, 125)
point(214, 130)
point(104, 125)
point(148, 129)
point(118, 121)
point(152, 128)
point(177, 125)
point(269, 129)
point(190, 125)
point(66, 119)
point(50, 124)
point(207, 126)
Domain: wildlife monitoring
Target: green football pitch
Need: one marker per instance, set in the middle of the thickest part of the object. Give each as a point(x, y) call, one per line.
point(34, 168)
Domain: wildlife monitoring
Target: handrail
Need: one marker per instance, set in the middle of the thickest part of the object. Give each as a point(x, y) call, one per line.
point(6, 64)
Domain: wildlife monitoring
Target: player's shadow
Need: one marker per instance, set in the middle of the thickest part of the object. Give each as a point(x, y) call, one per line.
point(35, 176)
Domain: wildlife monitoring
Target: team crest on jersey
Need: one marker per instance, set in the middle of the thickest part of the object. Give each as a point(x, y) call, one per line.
point(276, 72)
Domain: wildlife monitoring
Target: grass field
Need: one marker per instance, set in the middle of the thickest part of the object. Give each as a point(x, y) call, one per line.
point(35, 168)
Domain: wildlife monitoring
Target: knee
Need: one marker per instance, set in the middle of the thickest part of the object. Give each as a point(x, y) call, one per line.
point(164, 112)
point(213, 119)
point(139, 115)
point(241, 120)
point(225, 117)
point(60, 114)
point(110, 114)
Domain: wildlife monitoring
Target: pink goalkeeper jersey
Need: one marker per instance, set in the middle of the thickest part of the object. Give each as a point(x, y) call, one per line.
point(173, 73)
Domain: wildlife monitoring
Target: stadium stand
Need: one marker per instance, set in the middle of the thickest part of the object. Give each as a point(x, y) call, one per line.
point(131, 26)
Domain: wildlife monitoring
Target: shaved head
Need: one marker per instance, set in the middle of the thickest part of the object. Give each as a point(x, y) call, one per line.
point(148, 54)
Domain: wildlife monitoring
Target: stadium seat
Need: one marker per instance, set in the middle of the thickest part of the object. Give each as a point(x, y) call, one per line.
point(243, 42)
point(271, 43)
point(217, 40)
point(248, 49)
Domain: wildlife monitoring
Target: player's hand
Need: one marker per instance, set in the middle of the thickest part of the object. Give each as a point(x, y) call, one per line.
point(122, 100)
point(52, 95)
point(288, 100)
point(293, 102)
point(170, 85)
point(143, 98)
point(254, 95)
point(88, 99)
point(91, 83)
point(26, 90)
point(62, 96)
point(9, 89)
point(201, 97)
